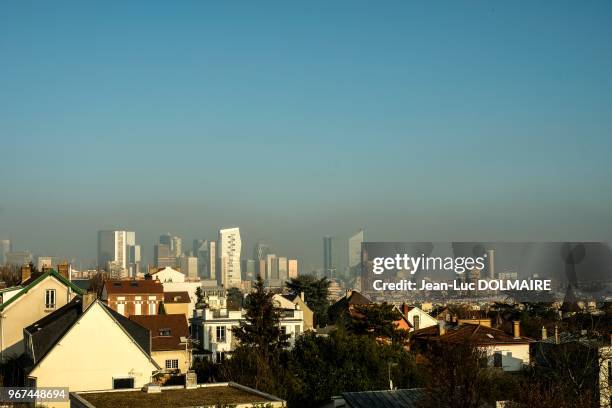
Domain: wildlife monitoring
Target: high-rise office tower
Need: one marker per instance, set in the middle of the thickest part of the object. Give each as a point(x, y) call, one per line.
point(248, 269)
point(189, 266)
point(292, 266)
point(282, 268)
point(134, 259)
point(354, 252)
point(261, 269)
point(271, 267)
point(174, 243)
point(329, 267)
point(163, 257)
point(206, 253)
point(5, 247)
point(114, 250)
point(261, 250)
point(230, 246)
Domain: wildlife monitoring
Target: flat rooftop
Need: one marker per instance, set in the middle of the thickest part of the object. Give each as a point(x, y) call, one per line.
point(202, 396)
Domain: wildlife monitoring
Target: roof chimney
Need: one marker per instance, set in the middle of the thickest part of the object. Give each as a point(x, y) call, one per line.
point(556, 334)
point(544, 333)
point(26, 272)
point(302, 296)
point(442, 328)
point(87, 300)
point(517, 329)
point(64, 270)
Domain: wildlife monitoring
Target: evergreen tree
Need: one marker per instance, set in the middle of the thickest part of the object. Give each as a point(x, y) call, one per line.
point(316, 293)
point(261, 328)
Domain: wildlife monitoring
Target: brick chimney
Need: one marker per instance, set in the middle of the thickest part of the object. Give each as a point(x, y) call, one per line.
point(26, 272)
point(87, 300)
point(517, 329)
point(64, 270)
point(556, 334)
point(441, 326)
point(544, 333)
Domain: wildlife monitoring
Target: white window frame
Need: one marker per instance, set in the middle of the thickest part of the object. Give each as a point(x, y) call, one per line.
point(172, 364)
point(152, 308)
point(219, 338)
point(50, 299)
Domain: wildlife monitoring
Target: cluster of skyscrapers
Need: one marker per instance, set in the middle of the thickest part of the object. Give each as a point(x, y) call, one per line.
point(330, 261)
point(218, 260)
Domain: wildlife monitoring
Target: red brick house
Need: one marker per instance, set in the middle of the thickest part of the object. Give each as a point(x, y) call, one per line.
point(134, 297)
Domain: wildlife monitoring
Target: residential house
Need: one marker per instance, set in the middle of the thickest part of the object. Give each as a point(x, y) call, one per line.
point(189, 287)
point(509, 352)
point(133, 297)
point(37, 296)
point(213, 327)
point(168, 274)
point(308, 313)
point(213, 330)
point(85, 345)
point(585, 355)
point(170, 346)
point(177, 303)
point(291, 317)
point(348, 304)
point(417, 318)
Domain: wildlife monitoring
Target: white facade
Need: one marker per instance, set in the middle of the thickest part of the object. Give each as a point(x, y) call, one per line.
point(292, 267)
point(91, 354)
point(423, 319)
point(213, 327)
point(513, 356)
point(169, 275)
point(230, 246)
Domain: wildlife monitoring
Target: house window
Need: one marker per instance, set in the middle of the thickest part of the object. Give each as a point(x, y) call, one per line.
point(123, 383)
point(152, 309)
point(121, 308)
point(497, 359)
point(50, 299)
point(221, 334)
point(137, 309)
point(171, 364)
point(283, 330)
point(297, 329)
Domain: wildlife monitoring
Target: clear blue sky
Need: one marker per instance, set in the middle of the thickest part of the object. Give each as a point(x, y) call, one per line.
point(471, 121)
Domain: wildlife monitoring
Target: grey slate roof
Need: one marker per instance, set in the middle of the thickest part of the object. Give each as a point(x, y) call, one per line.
point(406, 398)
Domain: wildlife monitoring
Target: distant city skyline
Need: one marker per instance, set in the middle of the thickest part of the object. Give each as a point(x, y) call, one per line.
point(487, 121)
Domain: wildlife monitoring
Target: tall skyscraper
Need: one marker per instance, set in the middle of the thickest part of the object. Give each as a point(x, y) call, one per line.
point(271, 267)
point(292, 266)
point(114, 249)
point(329, 267)
point(5, 247)
point(261, 250)
point(354, 251)
point(248, 269)
point(174, 243)
point(230, 246)
point(189, 266)
point(163, 257)
point(282, 268)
